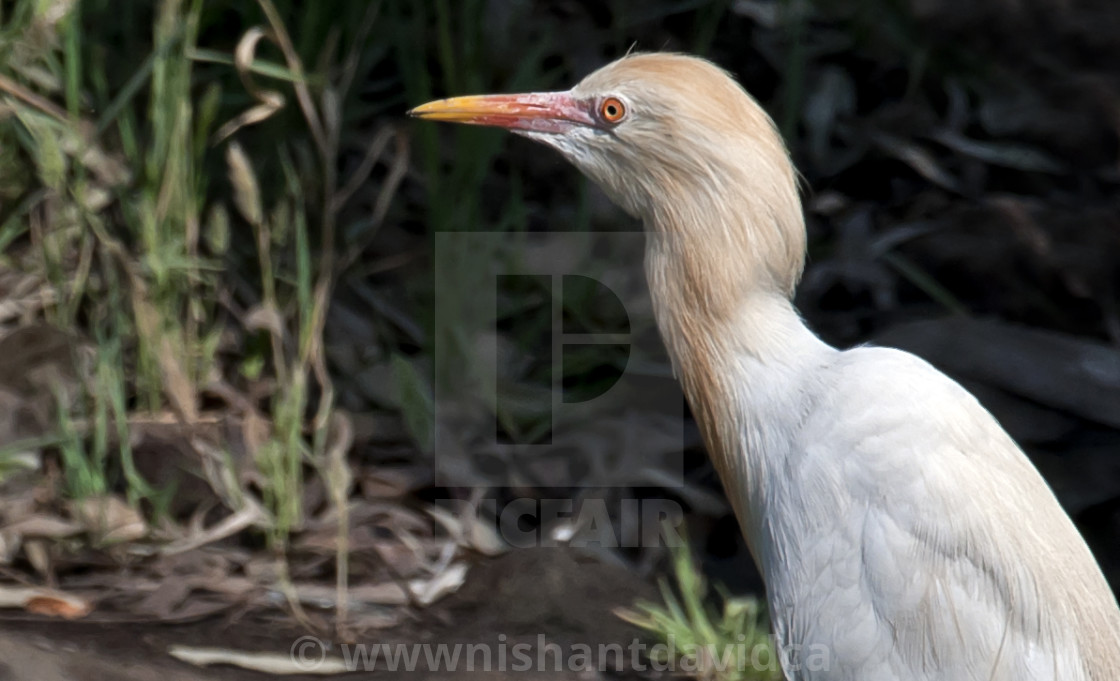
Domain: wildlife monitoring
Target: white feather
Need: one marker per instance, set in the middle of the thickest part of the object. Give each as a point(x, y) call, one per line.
point(899, 529)
point(902, 534)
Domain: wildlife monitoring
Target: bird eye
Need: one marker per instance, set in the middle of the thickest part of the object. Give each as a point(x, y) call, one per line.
point(612, 110)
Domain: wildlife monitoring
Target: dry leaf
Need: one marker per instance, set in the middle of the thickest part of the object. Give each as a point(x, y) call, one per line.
point(44, 602)
point(251, 514)
point(1009, 155)
point(176, 384)
point(324, 595)
point(268, 101)
point(197, 608)
point(470, 531)
point(246, 189)
point(38, 555)
point(109, 519)
point(918, 158)
point(391, 483)
point(39, 525)
point(269, 663)
point(446, 582)
point(165, 600)
point(52, 606)
point(339, 477)
point(9, 546)
point(265, 318)
point(379, 618)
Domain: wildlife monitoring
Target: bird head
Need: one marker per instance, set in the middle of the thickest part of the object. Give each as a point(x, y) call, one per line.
point(672, 139)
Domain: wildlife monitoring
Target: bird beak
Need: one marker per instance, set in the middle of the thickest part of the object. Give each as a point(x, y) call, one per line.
point(549, 112)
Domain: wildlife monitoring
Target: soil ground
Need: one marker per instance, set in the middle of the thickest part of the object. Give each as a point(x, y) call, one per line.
point(557, 593)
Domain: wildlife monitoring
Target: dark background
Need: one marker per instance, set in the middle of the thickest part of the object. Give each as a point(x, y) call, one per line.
point(960, 167)
point(960, 163)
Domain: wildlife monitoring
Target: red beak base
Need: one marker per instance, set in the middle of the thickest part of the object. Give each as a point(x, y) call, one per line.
point(549, 112)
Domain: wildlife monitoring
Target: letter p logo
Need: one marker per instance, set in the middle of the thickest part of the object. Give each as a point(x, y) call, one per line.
point(548, 368)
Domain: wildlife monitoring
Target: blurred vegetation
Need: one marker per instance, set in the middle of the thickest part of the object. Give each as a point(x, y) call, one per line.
point(732, 645)
point(216, 215)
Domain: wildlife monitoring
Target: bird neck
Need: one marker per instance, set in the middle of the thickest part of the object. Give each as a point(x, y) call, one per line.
point(739, 348)
point(722, 270)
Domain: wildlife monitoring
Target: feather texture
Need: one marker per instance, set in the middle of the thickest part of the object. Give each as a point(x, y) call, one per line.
point(902, 534)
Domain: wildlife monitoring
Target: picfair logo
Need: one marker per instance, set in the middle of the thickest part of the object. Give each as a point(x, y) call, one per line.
point(548, 368)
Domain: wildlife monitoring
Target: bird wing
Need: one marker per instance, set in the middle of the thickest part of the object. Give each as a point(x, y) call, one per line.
point(922, 543)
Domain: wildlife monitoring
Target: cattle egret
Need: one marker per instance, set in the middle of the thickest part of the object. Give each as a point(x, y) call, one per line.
point(896, 525)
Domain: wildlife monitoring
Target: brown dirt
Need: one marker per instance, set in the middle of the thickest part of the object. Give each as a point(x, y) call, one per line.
point(559, 593)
